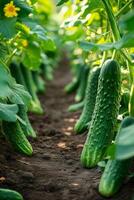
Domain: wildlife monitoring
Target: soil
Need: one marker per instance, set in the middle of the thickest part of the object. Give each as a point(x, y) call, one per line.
point(54, 171)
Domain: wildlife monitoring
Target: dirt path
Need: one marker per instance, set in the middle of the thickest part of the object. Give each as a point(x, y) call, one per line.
point(54, 171)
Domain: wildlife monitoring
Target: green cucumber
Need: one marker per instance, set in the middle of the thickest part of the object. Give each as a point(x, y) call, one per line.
point(39, 82)
point(35, 105)
point(6, 194)
point(27, 129)
point(76, 106)
point(104, 119)
point(47, 71)
point(90, 98)
point(17, 74)
point(115, 170)
point(80, 94)
point(16, 137)
point(72, 86)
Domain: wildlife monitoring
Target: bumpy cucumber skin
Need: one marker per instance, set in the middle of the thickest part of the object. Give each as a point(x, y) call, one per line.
point(16, 137)
point(82, 86)
point(105, 114)
point(6, 194)
point(90, 98)
point(115, 170)
point(77, 106)
point(28, 129)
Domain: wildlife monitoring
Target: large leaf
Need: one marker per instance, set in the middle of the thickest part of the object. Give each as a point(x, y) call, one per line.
point(127, 22)
point(5, 79)
point(19, 95)
point(127, 41)
point(8, 112)
point(32, 56)
point(125, 143)
point(7, 27)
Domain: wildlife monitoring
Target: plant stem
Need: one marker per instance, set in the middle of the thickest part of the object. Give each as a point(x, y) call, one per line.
point(112, 20)
point(123, 8)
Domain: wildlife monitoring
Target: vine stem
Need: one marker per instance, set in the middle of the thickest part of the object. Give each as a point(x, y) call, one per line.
point(123, 8)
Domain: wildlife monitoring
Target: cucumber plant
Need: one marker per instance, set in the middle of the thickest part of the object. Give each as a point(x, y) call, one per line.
point(104, 30)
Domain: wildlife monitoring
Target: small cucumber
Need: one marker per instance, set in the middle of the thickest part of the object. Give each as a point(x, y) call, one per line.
point(90, 98)
point(16, 137)
point(76, 106)
point(80, 94)
point(27, 129)
point(72, 86)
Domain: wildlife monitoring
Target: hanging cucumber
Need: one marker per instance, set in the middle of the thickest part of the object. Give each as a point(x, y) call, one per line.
point(17, 74)
point(35, 105)
point(39, 82)
point(27, 129)
point(47, 71)
point(76, 106)
point(16, 137)
point(90, 98)
point(72, 86)
point(115, 170)
point(105, 114)
point(80, 94)
point(6, 194)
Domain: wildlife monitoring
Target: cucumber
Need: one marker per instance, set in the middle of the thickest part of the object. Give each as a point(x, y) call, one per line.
point(35, 105)
point(90, 98)
point(28, 129)
point(76, 106)
point(72, 86)
point(17, 74)
point(39, 82)
point(6, 194)
point(80, 94)
point(16, 137)
point(115, 170)
point(104, 119)
point(47, 71)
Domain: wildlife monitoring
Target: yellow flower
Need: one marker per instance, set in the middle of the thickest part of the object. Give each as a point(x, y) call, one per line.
point(24, 43)
point(10, 10)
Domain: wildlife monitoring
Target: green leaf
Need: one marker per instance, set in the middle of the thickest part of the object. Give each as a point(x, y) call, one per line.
point(5, 79)
point(92, 6)
point(7, 27)
point(25, 9)
point(32, 56)
point(126, 22)
point(48, 44)
point(19, 95)
point(8, 112)
point(62, 2)
point(125, 143)
point(90, 46)
point(127, 41)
